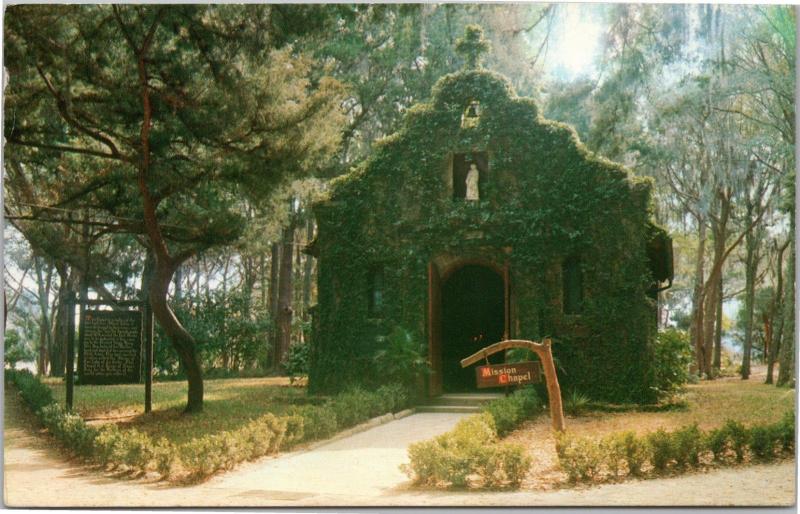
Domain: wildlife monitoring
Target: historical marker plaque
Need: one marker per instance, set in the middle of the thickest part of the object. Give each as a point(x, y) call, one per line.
point(110, 347)
point(500, 375)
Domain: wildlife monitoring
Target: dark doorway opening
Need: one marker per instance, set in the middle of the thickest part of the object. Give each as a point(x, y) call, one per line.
point(473, 316)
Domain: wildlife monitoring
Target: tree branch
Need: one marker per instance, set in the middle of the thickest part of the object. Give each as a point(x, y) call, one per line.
point(62, 148)
point(61, 105)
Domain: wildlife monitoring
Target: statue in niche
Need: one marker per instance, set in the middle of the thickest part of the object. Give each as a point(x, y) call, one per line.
point(473, 176)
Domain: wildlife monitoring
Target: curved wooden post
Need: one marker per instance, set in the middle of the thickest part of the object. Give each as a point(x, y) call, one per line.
point(548, 366)
point(553, 389)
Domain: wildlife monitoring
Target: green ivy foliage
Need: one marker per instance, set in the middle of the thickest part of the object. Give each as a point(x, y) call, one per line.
point(545, 198)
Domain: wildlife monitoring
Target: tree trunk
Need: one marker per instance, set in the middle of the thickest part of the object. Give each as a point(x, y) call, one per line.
point(45, 336)
point(285, 291)
point(786, 357)
point(58, 350)
point(262, 281)
point(709, 321)
point(308, 270)
point(711, 291)
point(165, 264)
point(207, 276)
point(181, 340)
point(777, 316)
point(749, 303)
point(274, 274)
point(718, 332)
point(695, 329)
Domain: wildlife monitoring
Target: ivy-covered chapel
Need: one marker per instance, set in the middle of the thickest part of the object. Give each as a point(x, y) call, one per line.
point(478, 221)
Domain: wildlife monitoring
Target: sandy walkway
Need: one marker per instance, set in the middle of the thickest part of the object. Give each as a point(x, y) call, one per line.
point(358, 470)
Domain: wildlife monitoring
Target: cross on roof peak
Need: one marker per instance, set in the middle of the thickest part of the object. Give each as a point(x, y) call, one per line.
point(472, 46)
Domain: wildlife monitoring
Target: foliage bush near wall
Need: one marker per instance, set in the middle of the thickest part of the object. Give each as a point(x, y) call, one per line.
point(138, 453)
point(470, 454)
point(658, 453)
point(296, 363)
point(672, 355)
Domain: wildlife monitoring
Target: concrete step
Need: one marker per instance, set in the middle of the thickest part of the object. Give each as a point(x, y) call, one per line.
point(449, 408)
point(464, 399)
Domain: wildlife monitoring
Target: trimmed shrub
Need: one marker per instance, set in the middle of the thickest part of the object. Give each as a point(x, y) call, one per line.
point(662, 448)
point(581, 458)
point(295, 431)
point(35, 393)
point(345, 410)
point(636, 451)
point(138, 451)
point(510, 411)
point(204, 456)
point(785, 431)
point(717, 443)
point(688, 444)
point(624, 453)
point(506, 466)
point(352, 407)
point(393, 397)
point(201, 457)
point(108, 445)
point(319, 421)
point(588, 460)
point(68, 428)
point(165, 457)
point(468, 455)
point(739, 438)
point(763, 440)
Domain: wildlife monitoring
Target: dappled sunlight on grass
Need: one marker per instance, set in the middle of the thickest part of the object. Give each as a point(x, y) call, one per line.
point(709, 404)
point(229, 404)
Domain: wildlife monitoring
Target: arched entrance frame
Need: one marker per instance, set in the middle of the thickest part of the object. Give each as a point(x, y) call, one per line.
point(440, 269)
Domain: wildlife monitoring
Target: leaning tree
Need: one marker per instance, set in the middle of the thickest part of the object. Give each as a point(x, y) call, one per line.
point(161, 119)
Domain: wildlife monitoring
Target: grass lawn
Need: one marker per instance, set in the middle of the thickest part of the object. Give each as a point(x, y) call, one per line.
point(229, 404)
point(709, 404)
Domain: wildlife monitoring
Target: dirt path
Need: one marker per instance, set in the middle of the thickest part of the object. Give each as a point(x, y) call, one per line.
point(358, 470)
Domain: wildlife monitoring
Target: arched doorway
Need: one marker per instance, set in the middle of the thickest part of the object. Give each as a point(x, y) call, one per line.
point(473, 316)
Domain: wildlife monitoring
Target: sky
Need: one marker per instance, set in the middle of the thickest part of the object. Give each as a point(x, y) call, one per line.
point(575, 41)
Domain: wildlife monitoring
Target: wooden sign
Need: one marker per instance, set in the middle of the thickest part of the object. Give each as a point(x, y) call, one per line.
point(110, 347)
point(517, 373)
point(545, 355)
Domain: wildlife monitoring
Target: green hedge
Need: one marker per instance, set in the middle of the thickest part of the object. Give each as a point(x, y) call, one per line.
point(138, 453)
point(658, 453)
point(510, 411)
point(348, 409)
point(470, 454)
